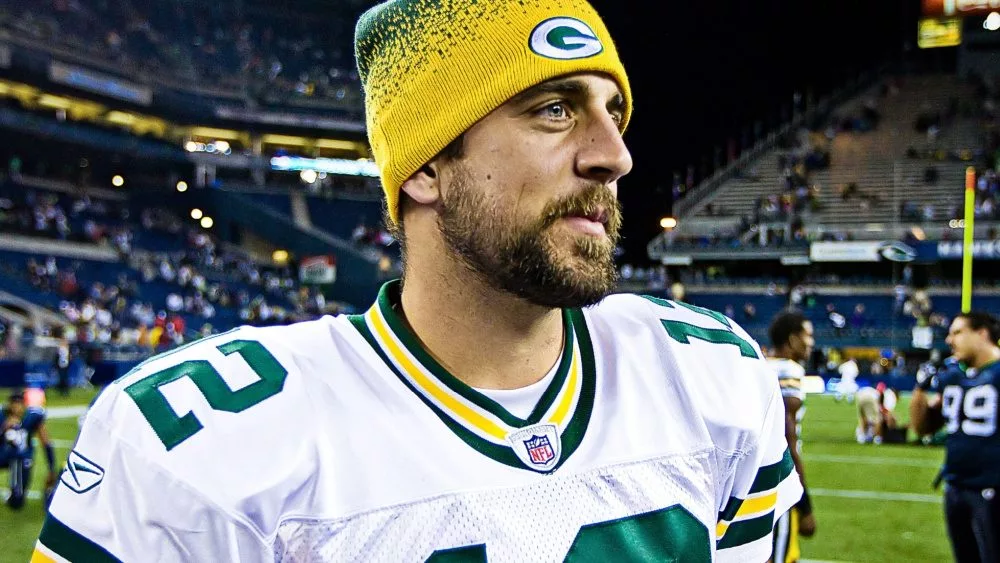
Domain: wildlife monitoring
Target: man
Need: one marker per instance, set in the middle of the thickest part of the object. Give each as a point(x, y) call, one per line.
point(491, 407)
point(848, 385)
point(19, 425)
point(927, 380)
point(876, 416)
point(792, 340)
point(967, 408)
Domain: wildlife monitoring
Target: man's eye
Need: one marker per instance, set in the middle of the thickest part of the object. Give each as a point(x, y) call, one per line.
point(555, 110)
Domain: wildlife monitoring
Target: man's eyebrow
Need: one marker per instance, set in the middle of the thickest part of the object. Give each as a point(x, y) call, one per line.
point(570, 88)
point(566, 87)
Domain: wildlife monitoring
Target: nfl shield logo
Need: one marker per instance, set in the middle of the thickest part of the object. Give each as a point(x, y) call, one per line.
point(537, 446)
point(539, 450)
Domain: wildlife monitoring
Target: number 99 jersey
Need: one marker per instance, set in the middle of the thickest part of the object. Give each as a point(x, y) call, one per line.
point(969, 408)
point(660, 437)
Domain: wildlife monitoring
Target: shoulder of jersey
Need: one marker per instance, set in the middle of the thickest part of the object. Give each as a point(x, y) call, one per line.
point(650, 312)
point(785, 368)
point(721, 376)
point(216, 369)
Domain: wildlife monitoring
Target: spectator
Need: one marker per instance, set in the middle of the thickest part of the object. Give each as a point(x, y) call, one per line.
point(847, 386)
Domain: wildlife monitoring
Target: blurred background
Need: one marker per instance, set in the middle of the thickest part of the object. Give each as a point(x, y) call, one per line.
point(170, 169)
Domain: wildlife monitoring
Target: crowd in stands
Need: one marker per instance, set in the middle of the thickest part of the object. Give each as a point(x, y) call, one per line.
point(155, 299)
point(246, 47)
point(778, 218)
point(59, 216)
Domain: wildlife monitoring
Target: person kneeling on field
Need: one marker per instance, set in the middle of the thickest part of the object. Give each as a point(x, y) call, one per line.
point(876, 419)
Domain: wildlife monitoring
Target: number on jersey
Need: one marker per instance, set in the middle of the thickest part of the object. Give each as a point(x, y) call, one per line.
point(668, 534)
point(973, 410)
point(683, 332)
point(173, 429)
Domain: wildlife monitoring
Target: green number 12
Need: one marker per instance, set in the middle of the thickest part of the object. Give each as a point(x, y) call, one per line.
point(173, 429)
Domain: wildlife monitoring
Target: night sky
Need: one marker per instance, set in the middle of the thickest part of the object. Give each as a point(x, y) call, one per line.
point(702, 71)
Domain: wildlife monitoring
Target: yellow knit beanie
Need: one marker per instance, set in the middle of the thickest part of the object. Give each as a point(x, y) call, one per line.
point(433, 68)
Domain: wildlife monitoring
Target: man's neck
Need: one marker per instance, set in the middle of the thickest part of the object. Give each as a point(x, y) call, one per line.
point(986, 357)
point(487, 338)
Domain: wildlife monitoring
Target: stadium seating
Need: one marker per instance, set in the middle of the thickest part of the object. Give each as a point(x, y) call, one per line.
point(876, 160)
point(273, 54)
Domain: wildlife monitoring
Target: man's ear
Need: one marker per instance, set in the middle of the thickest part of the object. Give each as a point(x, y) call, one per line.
point(424, 186)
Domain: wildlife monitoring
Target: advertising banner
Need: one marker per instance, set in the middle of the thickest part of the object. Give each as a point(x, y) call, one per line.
point(100, 83)
point(959, 8)
point(861, 251)
point(318, 270)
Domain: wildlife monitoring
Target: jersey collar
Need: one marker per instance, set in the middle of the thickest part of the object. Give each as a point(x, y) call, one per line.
point(480, 421)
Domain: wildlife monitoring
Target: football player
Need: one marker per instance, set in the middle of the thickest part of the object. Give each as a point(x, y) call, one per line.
point(967, 407)
point(19, 426)
point(494, 405)
point(792, 340)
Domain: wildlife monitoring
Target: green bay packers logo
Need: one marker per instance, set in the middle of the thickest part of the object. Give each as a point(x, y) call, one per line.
point(565, 38)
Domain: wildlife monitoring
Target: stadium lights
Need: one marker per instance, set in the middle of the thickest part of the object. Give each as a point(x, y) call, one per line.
point(359, 167)
point(668, 223)
point(117, 181)
point(280, 256)
point(308, 176)
point(207, 222)
point(217, 147)
point(992, 22)
point(182, 186)
point(196, 214)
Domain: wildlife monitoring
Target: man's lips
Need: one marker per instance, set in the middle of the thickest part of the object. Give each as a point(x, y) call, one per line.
point(586, 225)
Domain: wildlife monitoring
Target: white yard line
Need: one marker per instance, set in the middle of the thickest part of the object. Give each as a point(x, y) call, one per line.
point(872, 460)
point(32, 494)
point(65, 412)
point(875, 495)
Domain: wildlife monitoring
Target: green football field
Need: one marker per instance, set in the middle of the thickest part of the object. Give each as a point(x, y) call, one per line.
point(872, 503)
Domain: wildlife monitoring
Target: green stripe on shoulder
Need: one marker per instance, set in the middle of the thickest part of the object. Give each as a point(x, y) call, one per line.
point(746, 531)
point(769, 476)
point(732, 507)
point(70, 545)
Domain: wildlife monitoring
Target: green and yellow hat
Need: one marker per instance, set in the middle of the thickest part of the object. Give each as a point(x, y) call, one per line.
point(433, 68)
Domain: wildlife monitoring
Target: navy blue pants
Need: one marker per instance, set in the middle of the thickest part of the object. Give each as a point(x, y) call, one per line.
point(973, 517)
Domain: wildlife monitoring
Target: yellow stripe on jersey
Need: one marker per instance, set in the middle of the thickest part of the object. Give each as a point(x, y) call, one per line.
point(39, 557)
point(480, 421)
point(789, 382)
point(570, 393)
point(467, 415)
point(760, 501)
point(751, 508)
point(758, 504)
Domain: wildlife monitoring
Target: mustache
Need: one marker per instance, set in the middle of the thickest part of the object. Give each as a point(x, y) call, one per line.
point(586, 203)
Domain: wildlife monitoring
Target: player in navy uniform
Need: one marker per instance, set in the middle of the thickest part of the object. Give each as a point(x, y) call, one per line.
point(19, 425)
point(967, 407)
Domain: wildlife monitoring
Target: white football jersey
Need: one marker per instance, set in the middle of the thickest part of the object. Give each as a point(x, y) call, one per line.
point(660, 437)
point(791, 375)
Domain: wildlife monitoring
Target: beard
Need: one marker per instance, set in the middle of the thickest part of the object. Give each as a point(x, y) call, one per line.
point(531, 260)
